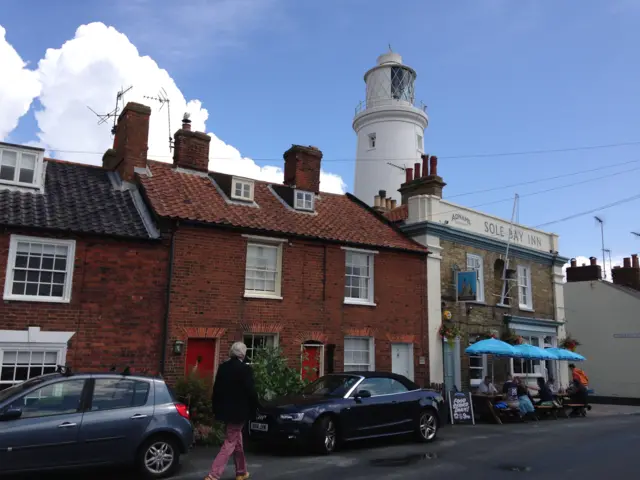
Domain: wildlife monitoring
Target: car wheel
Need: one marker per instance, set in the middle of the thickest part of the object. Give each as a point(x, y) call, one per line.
point(427, 426)
point(325, 435)
point(159, 457)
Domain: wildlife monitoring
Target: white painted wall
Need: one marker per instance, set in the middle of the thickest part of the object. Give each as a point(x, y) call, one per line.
point(599, 315)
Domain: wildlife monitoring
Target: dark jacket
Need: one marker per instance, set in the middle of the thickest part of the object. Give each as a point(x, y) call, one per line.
point(234, 397)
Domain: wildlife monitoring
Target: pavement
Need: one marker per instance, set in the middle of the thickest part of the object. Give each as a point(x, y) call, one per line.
point(604, 442)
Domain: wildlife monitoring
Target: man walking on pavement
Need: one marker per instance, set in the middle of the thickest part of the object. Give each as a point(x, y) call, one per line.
point(234, 401)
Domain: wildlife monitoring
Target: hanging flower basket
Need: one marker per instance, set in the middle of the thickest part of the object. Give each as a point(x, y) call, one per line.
point(449, 332)
point(486, 336)
point(570, 343)
point(512, 338)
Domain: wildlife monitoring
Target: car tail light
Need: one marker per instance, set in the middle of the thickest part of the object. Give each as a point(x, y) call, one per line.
point(183, 410)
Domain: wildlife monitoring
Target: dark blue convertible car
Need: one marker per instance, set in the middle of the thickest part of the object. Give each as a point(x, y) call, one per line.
point(350, 406)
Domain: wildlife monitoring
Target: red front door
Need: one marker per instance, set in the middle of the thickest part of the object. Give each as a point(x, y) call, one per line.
point(201, 357)
point(311, 362)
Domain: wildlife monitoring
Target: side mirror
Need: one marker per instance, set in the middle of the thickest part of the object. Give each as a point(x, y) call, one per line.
point(362, 394)
point(11, 413)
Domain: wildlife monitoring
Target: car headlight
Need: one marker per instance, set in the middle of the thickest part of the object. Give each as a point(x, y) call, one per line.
point(292, 417)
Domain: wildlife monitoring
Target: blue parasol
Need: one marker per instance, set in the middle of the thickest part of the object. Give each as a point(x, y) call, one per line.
point(531, 352)
point(567, 355)
point(491, 346)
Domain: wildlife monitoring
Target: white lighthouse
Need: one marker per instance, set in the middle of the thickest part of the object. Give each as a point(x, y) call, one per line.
point(390, 128)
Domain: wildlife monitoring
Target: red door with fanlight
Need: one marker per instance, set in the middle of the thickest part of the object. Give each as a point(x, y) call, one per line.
point(312, 361)
point(201, 357)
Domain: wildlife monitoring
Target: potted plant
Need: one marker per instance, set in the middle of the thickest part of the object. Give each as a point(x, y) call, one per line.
point(449, 332)
point(569, 343)
point(512, 338)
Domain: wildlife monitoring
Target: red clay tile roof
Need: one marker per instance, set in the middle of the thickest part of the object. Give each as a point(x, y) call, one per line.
point(398, 214)
point(343, 218)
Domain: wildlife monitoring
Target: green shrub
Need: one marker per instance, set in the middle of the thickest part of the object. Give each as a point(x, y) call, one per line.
point(273, 376)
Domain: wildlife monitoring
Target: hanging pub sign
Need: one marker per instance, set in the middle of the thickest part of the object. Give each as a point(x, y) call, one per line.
point(466, 286)
point(461, 408)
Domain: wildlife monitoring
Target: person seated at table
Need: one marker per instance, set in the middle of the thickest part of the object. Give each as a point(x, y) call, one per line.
point(545, 393)
point(577, 393)
point(525, 404)
point(552, 386)
point(486, 387)
point(510, 390)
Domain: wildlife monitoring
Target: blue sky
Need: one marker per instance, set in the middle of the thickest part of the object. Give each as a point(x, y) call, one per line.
point(497, 76)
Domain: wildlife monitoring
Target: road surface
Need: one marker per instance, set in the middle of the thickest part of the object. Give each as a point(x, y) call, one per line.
point(544, 449)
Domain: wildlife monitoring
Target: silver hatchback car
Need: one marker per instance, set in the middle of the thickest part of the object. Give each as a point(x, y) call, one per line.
point(64, 420)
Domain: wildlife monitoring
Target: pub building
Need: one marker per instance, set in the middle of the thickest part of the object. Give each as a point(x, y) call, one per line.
point(473, 292)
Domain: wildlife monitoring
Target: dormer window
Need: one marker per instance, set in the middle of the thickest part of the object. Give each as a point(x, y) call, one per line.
point(304, 200)
point(19, 166)
point(242, 189)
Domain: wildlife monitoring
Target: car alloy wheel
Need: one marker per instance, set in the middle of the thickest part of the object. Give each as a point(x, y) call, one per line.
point(159, 457)
point(428, 426)
point(330, 437)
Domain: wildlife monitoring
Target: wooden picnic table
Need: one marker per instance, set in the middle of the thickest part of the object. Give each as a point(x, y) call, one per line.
point(487, 402)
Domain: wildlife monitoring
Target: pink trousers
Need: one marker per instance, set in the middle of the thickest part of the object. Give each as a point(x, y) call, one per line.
point(232, 446)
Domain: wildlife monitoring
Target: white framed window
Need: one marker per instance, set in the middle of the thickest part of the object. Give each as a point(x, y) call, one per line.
point(19, 364)
point(525, 298)
point(359, 354)
point(242, 189)
point(419, 140)
point(477, 367)
point(256, 341)
point(528, 367)
point(304, 200)
point(476, 263)
point(372, 140)
point(19, 166)
point(263, 270)
point(39, 269)
point(358, 282)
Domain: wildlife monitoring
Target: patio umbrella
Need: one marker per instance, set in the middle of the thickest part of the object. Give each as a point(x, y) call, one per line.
point(567, 355)
point(491, 346)
point(531, 352)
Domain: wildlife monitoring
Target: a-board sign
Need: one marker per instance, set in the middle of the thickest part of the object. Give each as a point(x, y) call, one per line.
point(461, 408)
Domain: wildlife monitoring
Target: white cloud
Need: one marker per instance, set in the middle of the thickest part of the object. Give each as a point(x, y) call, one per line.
point(580, 260)
point(18, 87)
point(89, 69)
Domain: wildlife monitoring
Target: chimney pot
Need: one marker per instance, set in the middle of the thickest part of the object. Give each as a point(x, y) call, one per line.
point(186, 122)
point(409, 174)
point(376, 201)
point(634, 261)
point(388, 203)
point(416, 169)
point(302, 168)
point(433, 167)
point(131, 141)
point(574, 263)
point(382, 193)
point(394, 203)
point(627, 262)
point(425, 165)
point(593, 260)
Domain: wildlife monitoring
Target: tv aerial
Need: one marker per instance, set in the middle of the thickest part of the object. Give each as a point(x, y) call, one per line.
point(104, 118)
point(163, 99)
point(396, 166)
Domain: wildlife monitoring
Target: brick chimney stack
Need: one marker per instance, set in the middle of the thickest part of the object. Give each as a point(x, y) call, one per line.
point(131, 142)
point(426, 182)
point(191, 149)
point(584, 273)
point(383, 204)
point(302, 168)
point(629, 274)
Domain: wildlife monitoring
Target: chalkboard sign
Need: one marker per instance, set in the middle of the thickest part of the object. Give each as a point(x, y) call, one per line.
point(461, 408)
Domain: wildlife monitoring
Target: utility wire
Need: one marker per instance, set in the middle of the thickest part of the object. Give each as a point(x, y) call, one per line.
point(411, 159)
point(587, 212)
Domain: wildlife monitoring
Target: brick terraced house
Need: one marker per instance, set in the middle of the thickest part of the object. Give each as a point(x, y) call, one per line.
point(323, 276)
point(82, 265)
point(526, 298)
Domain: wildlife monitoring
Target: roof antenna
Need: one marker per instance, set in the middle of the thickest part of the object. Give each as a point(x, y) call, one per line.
point(397, 166)
point(604, 262)
point(163, 98)
point(104, 118)
point(390, 51)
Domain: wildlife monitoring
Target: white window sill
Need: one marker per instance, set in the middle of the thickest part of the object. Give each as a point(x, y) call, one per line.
point(503, 305)
point(526, 309)
point(355, 301)
point(478, 302)
point(28, 298)
point(265, 296)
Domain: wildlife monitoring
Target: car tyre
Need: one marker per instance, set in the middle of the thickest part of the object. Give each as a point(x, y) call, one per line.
point(325, 435)
point(158, 457)
point(427, 427)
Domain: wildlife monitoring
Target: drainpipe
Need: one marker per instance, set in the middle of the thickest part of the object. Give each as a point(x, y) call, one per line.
point(165, 326)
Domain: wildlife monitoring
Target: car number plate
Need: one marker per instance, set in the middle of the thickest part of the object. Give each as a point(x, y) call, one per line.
point(259, 427)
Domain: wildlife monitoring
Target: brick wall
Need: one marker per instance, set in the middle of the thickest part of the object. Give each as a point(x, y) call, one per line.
point(117, 303)
point(482, 318)
point(208, 298)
